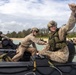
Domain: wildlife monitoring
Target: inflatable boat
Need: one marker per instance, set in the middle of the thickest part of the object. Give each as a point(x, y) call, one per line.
point(37, 65)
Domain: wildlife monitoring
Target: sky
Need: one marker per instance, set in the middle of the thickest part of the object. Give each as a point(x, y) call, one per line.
point(18, 15)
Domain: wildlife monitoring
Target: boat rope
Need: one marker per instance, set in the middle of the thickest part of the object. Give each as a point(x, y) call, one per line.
point(30, 73)
point(52, 65)
point(36, 69)
point(33, 69)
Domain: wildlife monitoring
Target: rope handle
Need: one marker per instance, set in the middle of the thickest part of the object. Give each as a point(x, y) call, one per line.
point(52, 65)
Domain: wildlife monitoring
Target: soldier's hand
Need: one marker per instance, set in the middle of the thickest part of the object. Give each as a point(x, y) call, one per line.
point(37, 53)
point(17, 51)
point(72, 7)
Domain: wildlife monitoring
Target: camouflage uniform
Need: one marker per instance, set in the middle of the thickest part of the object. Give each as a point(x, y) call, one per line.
point(62, 54)
point(25, 46)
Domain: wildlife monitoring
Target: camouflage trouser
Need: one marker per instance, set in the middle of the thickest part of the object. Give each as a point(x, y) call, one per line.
point(60, 56)
point(20, 51)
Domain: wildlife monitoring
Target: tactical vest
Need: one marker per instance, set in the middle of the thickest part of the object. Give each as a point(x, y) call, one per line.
point(54, 41)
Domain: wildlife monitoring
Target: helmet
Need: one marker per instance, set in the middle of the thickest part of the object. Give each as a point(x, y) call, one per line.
point(51, 23)
point(35, 29)
point(0, 32)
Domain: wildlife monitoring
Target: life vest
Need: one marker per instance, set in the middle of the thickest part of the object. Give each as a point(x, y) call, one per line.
point(54, 41)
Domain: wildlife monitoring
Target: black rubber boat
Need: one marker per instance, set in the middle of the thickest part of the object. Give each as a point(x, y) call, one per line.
point(37, 65)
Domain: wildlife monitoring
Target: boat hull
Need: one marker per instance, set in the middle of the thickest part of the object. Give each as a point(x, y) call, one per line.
point(36, 65)
point(42, 68)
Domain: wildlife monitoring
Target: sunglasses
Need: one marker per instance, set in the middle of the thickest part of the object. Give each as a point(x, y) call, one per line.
point(37, 31)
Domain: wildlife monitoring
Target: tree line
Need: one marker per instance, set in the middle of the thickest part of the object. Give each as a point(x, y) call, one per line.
point(42, 33)
point(21, 34)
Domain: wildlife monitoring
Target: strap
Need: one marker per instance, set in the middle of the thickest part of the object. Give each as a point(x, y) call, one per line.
point(52, 65)
point(35, 66)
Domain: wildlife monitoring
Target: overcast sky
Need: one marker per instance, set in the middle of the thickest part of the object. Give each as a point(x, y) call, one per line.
point(16, 15)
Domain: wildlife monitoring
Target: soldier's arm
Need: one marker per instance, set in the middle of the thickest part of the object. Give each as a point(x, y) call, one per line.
point(71, 22)
point(38, 41)
point(46, 48)
point(34, 45)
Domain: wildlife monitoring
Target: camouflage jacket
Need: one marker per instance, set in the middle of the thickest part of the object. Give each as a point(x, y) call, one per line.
point(64, 29)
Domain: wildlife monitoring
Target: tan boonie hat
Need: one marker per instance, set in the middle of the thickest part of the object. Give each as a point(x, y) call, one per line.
point(35, 29)
point(51, 23)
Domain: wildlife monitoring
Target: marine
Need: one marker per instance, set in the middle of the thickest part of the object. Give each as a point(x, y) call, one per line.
point(57, 49)
point(25, 44)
